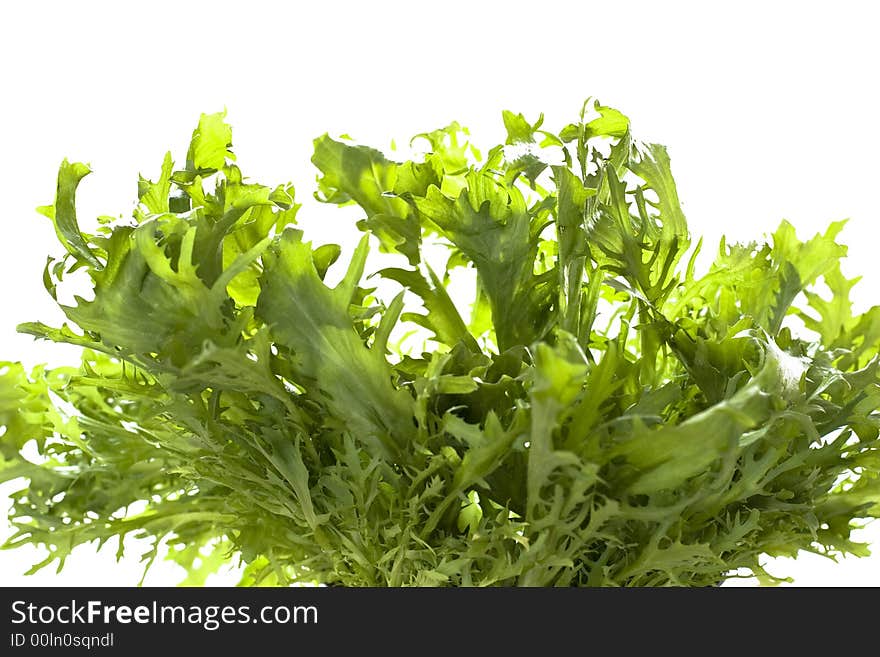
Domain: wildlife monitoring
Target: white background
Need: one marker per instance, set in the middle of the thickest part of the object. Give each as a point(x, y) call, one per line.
point(769, 109)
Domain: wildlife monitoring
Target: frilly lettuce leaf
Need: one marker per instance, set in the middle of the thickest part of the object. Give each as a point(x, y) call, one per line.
point(596, 412)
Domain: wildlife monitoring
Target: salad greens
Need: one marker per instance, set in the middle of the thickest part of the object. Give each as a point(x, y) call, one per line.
point(595, 412)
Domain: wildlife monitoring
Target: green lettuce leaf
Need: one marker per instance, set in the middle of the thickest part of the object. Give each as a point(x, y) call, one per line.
point(592, 410)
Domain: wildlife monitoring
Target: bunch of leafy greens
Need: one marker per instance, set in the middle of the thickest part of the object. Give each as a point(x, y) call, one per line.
point(596, 413)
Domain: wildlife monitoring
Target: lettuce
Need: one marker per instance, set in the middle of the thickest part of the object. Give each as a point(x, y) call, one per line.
point(592, 412)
